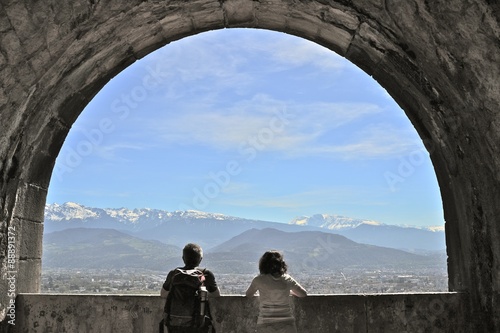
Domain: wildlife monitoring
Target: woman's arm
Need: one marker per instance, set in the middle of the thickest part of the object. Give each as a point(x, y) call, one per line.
point(251, 290)
point(299, 292)
point(296, 289)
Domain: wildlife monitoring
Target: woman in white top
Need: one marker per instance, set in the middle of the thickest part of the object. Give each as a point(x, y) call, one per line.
point(275, 287)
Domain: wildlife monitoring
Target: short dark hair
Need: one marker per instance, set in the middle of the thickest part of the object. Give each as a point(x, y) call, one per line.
point(192, 254)
point(272, 262)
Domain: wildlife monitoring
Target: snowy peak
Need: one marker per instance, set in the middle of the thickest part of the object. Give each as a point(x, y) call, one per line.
point(71, 211)
point(339, 222)
point(68, 211)
point(331, 222)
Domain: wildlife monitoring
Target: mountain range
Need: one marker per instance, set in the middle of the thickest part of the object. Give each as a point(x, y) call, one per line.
point(211, 229)
point(76, 236)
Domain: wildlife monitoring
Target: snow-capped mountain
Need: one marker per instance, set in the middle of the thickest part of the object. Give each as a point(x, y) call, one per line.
point(143, 217)
point(339, 222)
point(210, 229)
point(409, 238)
point(331, 222)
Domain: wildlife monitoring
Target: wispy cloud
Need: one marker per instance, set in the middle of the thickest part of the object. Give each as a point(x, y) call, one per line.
point(330, 129)
point(114, 152)
point(282, 50)
point(205, 70)
point(300, 52)
point(225, 55)
point(373, 141)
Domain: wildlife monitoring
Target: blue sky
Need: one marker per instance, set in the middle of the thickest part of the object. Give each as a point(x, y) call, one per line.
point(249, 123)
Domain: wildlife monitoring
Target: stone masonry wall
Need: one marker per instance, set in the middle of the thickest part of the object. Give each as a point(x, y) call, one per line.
point(438, 59)
point(441, 312)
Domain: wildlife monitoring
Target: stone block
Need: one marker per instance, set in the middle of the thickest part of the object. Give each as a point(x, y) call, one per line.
point(239, 12)
point(40, 61)
point(3, 98)
point(20, 19)
point(304, 25)
point(269, 15)
point(29, 236)
point(10, 45)
point(332, 314)
point(25, 76)
point(42, 160)
point(339, 17)
point(3, 60)
point(68, 104)
point(8, 77)
point(30, 203)
point(338, 39)
point(28, 276)
point(176, 25)
point(367, 48)
point(235, 313)
point(206, 15)
point(433, 312)
point(4, 21)
point(143, 45)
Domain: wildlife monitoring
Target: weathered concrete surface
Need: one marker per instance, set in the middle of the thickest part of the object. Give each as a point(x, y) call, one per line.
point(400, 313)
point(438, 59)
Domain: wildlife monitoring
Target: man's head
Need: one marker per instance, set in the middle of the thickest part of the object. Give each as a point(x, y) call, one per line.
point(192, 254)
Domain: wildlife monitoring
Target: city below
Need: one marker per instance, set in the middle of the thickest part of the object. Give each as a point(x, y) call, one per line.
point(352, 281)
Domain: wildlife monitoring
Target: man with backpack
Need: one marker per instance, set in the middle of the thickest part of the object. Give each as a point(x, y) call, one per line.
point(186, 288)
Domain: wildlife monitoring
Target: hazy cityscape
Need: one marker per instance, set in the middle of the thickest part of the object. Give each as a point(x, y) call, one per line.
point(125, 281)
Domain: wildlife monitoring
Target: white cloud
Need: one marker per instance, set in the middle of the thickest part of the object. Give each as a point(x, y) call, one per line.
point(300, 52)
point(282, 49)
point(207, 68)
point(222, 55)
point(114, 152)
point(327, 129)
point(382, 141)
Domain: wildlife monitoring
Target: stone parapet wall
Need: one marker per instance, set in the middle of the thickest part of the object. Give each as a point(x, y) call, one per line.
point(428, 312)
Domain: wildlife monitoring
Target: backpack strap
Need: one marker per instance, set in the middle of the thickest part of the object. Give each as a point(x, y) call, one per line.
point(202, 278)
point(168, 303)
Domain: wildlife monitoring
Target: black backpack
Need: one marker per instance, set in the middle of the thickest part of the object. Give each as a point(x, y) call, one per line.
point(187, 304)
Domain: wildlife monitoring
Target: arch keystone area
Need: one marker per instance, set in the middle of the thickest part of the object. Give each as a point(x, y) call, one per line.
point(439, 60)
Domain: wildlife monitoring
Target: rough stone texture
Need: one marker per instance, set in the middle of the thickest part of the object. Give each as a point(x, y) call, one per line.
point(435, 313)
point(438, 59)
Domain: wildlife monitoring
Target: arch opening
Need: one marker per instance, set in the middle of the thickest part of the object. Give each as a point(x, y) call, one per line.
point(250, 113)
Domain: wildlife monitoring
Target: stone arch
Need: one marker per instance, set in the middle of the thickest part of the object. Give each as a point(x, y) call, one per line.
point(438, 60)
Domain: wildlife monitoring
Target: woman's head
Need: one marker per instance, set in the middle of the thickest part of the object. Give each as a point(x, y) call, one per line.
point(272, 263)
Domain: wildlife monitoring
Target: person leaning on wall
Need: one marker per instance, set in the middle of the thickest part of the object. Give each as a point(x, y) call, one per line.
point(275, 287)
